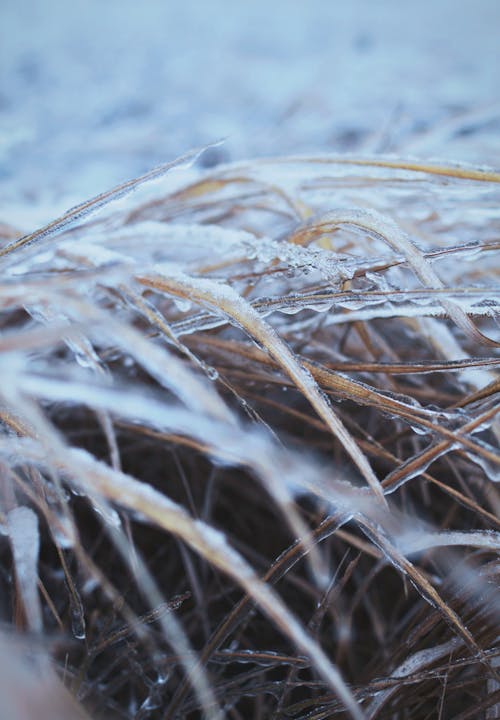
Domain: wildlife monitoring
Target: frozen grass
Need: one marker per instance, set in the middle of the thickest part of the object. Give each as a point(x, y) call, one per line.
point(249, 445)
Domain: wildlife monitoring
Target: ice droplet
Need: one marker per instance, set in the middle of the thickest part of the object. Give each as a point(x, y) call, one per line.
point(212, 373)
point(108, 513)
point(183, 304)
point(77, 624)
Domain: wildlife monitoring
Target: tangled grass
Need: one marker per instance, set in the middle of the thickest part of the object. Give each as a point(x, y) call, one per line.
point(249, 446)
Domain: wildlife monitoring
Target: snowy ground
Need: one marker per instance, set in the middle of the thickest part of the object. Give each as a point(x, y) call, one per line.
point(95, 91)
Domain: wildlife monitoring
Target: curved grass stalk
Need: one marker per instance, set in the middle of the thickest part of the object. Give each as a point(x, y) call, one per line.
point(426, 590)
point(459, 172)
point(226, 300)
point(386, 230)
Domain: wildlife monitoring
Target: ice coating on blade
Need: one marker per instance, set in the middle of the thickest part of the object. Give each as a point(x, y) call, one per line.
point(94, 253)
point(419, 540)
point(412, 664)
point(25, 542)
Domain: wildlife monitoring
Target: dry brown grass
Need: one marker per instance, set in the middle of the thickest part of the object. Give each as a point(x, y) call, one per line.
point(249, 446)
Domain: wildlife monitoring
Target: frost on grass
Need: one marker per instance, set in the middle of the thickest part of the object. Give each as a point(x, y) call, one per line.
point(25, 542)
point(271, 390)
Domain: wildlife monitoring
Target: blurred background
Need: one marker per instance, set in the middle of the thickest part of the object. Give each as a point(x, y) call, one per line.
point(95, 91)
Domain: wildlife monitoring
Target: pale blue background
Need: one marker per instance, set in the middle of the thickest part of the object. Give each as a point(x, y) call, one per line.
point(94, 92)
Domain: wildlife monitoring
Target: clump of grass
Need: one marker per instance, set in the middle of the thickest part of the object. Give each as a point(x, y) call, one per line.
point(249, 445)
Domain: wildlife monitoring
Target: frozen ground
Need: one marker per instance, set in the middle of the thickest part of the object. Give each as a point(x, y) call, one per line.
point(93, 92)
